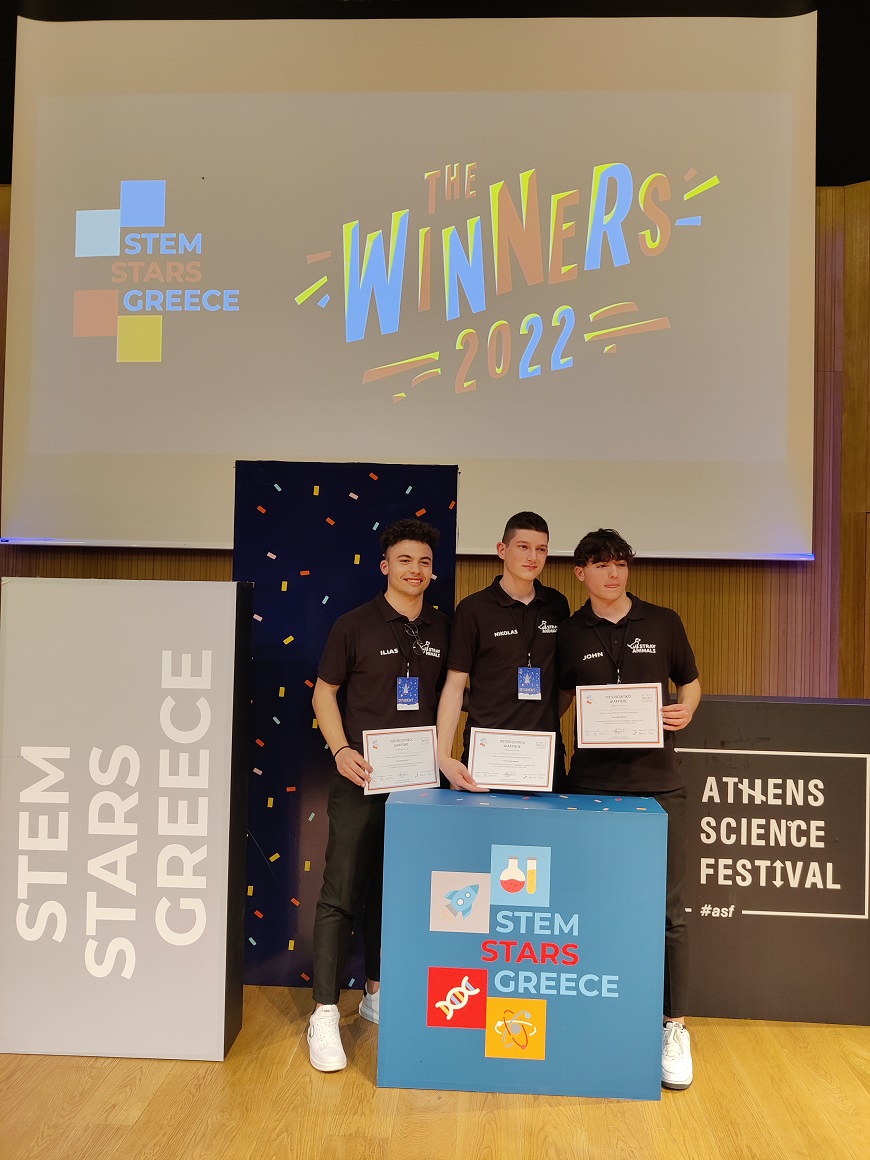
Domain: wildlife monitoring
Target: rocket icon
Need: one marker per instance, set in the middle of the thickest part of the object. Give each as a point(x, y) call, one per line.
point(461, 901)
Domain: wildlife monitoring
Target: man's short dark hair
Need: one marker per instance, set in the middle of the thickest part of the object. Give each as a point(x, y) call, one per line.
point(602, 546)
point(415, 530)
point(525, 521)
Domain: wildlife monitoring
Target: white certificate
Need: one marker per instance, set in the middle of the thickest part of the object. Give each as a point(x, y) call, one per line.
point(620, 716)
point(512, 758)
point(401, 759)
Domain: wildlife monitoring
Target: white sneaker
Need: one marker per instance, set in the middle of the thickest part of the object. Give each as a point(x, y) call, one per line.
point(370, 1008)
point(676, 1057)
point(324, 1039)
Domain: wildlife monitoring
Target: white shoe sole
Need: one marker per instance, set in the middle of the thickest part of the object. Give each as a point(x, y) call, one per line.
point(369, 1015)
point(673, 1086)
point(330, 1067)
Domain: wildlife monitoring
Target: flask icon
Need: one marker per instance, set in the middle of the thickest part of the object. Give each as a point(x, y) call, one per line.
point(531, 875)
point(512, 878)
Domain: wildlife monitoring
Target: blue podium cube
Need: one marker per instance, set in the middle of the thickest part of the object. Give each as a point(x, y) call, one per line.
point(523, 944)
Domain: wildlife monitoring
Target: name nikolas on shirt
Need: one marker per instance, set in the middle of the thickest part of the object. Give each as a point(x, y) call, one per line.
point(544, 627)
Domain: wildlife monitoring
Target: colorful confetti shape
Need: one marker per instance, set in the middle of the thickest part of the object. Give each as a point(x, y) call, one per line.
point(311, 290)
point(260, 508)
point(424, 375)
point(373, 374)
point(421, 512)
point(289, 639)
point(702, 188)
point(274, 857)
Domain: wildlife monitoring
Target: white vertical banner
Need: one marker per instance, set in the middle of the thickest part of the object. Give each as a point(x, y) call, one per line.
point(115, 818)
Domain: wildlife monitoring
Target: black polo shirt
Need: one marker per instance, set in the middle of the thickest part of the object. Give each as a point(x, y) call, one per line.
point(648, 644)
point(492, 636)
point(367, 649)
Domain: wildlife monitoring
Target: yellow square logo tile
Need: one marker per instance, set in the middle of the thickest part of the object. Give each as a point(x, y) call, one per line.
point(516, 1028)
point(140, 338)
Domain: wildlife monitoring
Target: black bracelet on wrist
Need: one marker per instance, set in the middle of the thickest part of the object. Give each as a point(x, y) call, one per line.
point(340, 749)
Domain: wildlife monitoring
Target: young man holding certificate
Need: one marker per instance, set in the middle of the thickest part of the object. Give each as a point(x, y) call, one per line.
point(504, 645)
point(387, 660)
point(617, 639)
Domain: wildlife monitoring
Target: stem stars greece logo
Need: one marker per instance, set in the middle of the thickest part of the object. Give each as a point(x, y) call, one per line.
point(156, 265)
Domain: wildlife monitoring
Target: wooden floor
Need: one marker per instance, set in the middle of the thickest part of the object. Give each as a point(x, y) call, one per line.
point(763, 1091)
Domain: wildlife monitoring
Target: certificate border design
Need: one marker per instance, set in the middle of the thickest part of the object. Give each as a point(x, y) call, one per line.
point(581, 744)
point(430, 729)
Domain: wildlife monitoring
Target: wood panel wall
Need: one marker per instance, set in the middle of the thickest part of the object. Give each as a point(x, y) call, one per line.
point(854, 665)
point(769, 629)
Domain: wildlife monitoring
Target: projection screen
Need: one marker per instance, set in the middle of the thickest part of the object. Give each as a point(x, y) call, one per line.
point(573, 256)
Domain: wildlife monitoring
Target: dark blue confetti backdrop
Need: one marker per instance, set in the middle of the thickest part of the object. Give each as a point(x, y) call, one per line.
point(307, 535)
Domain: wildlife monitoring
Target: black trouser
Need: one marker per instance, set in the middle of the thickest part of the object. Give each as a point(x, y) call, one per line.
point(673, 802)
point(676, 928)
point(354, 873)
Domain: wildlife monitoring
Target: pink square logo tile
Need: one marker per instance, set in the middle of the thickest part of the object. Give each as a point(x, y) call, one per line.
point(95, 314)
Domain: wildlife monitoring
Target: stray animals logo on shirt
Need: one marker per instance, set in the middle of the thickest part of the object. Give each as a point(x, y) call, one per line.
point(637, 647)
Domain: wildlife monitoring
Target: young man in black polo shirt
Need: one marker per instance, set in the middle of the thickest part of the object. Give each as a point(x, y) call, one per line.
point(504, 643)
point(388, 659)
point(617, 637)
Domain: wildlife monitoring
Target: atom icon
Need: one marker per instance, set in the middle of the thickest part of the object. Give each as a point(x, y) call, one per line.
point(516, 1029)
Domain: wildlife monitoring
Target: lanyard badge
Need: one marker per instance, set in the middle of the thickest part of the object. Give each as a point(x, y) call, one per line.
point(528, 683)
point(407, 692)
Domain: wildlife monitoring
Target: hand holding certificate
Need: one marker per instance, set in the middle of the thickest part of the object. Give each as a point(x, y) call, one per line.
point(619, 716)
point(512, 758)
point(401, 759)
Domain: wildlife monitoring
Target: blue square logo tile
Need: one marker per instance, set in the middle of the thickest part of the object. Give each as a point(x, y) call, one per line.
point(520, 876)
point(143, 203)
point(98, 233)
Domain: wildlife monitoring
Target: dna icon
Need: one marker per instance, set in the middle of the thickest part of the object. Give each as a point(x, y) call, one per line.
point(456, 998)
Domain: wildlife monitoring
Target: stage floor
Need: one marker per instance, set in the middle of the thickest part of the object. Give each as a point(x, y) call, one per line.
point(763, 1091)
